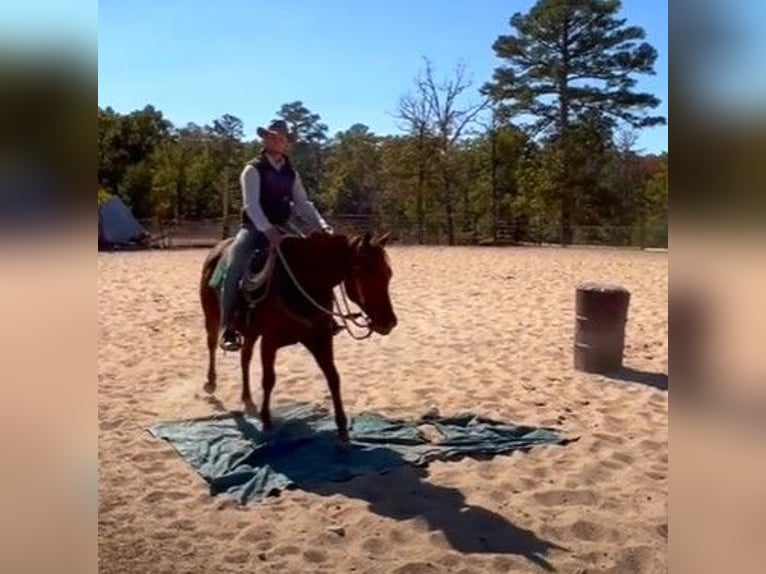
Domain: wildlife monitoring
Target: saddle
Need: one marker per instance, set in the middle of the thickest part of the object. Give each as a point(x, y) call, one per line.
point(255, 283)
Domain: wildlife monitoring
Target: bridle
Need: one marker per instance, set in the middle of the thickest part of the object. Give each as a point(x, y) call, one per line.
point(346, 317)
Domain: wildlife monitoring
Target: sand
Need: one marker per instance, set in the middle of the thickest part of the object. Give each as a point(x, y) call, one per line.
point(482, 329)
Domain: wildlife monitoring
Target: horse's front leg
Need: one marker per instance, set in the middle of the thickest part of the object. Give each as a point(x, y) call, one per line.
point(268, 379)
point(246, 356)
point(321, 349)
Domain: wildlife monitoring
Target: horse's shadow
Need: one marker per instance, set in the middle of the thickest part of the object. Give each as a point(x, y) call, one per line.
point(214, 402)
point(404, 493)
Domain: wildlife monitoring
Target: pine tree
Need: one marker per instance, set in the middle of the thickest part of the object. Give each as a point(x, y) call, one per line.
point(570, 59)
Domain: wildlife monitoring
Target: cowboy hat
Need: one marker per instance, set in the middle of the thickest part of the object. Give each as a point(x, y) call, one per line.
point(275, 127)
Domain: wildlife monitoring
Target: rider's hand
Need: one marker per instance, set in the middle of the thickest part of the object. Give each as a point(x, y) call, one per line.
point(274, 236)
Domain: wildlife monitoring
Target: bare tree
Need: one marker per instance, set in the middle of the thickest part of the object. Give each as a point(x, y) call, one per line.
point(418, 119)
point(631, 184)
point(436, 109)
point(490, 128)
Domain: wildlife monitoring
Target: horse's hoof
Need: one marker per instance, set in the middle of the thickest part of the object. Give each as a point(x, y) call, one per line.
point(209, 388)
point(343, 439)
point(267, 423)
point(250, 409)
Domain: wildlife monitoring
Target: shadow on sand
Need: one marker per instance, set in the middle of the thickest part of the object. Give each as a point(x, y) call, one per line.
point(650, 379)
point(391, 486)
point(403, 492)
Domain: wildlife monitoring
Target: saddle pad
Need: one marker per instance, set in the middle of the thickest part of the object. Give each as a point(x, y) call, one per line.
point(219, 273)
point(254, 279)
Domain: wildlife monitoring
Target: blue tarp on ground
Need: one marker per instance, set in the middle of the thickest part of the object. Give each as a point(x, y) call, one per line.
point(231, 452)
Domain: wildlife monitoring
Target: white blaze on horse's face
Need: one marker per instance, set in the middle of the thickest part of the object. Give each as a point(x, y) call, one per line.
point(368, 284)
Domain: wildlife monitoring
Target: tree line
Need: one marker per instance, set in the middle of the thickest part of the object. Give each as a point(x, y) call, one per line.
point(543, 151)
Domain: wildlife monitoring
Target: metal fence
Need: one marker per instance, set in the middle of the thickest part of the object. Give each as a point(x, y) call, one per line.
point(433, 231)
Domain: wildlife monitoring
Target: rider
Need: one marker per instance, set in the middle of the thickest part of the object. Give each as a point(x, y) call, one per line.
point(271, 191)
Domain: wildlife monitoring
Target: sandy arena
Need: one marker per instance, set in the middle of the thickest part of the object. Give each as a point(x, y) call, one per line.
point(488, 330)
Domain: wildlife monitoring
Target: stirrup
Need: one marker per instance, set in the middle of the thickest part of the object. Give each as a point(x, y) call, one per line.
point(231, 346)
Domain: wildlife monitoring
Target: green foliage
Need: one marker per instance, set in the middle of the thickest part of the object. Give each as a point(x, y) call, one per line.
point(136, 188)
point(309, 136)
point(125, 144)
point(168, 179)
point(655, 207)
point(103, 196)
point(353, 172)
point(538, 175)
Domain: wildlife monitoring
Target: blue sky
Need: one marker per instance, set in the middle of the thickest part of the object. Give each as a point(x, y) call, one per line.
point(349, 61)
point(43, 26)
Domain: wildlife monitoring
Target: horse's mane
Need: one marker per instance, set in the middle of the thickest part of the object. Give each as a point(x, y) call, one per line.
point(320, 260)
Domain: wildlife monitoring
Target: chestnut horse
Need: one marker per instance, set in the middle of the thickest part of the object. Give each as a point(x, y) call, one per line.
point(297, 308)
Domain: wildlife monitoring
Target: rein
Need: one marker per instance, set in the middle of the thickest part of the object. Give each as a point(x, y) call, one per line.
point(347, 317)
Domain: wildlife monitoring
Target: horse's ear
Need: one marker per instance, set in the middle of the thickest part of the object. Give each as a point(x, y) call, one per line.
point(367, 239)
point(384, 239)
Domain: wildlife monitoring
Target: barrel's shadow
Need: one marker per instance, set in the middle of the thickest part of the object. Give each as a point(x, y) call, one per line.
point(648, 378)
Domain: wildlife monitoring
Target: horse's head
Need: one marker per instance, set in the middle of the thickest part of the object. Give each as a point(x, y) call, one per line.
point(367, 284)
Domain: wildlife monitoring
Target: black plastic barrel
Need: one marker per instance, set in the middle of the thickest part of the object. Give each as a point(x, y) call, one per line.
point(601, 312)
